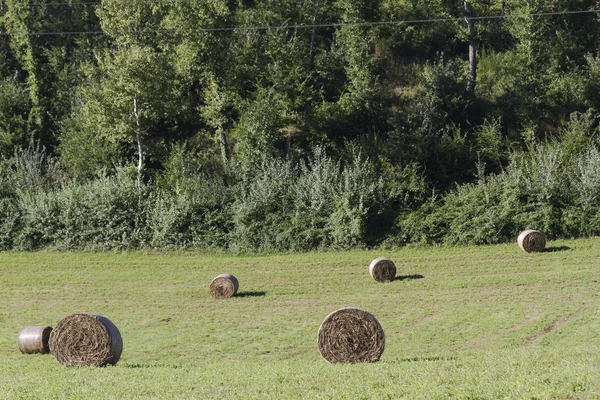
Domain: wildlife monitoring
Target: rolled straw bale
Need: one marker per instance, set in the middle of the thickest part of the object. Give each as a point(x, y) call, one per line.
point(531, 241)
point(351, 335)
point(86, 340)
point(382, 269)
point(224, 286)
point(34, 339)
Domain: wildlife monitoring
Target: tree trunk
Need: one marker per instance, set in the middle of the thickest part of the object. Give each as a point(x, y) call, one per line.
point(138, 137)
point(472, 76)
point(224, 148)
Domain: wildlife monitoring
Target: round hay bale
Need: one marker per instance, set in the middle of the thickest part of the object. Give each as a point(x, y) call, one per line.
point(86, 340)
point(351, 335)
point(224, 286)
point(34, 339)
point(382, 269)
point(531, 241)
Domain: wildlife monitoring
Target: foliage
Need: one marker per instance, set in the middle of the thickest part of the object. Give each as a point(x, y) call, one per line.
point(244, 123)
point(14, 108)
point(319, 204)
point(543, 190)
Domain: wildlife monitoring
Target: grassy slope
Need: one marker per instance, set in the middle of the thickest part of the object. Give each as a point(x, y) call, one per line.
point(486, 322)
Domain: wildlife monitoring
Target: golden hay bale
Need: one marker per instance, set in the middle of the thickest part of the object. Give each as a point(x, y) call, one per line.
point(382, 269)
point(86, 340)
point(224, 286)
point(34, 339)
point(351, 335)
point(531, 241)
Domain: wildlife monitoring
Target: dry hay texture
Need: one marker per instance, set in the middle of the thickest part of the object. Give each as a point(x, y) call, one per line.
point(86, 340)
point(382, 269)
point(224, 286)
point(531, 241)
point(34, 339)
point(351, 335)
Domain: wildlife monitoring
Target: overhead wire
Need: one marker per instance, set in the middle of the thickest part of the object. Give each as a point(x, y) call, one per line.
point(314, 26)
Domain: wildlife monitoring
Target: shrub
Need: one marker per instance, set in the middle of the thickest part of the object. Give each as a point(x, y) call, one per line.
point(187, 221)
point(262, 206)
point(298, 206)
point(9, 222)
point(542, 190)
point(40, 224)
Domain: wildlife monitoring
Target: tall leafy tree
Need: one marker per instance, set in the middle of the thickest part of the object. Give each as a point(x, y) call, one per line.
point(134, 95)
point(48, 56)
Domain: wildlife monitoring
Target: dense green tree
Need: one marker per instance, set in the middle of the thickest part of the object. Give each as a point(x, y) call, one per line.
point(14, 111)
point(133, 99)
point(204, 102)
point(48, 56)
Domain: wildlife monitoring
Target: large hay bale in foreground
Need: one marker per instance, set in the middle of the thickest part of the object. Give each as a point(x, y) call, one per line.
point(531, 241)
point(34, 339)
point(382, 269)
point(351, 335)
point(86, 340)
point(224, 286)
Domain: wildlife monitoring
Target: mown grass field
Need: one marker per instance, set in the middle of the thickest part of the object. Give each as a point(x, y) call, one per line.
point(472, 322)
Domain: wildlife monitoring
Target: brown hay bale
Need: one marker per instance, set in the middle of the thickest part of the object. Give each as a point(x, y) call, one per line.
point(531, 241)
point(382, 269)
point(86, 340)
point(34, 339)
point(224, 286)
point(351, 335)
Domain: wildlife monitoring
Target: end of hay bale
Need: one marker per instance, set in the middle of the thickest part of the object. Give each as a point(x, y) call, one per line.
point(531, 240)
point(34, 339)
point(86, 340)
point(382, 269)
point(350, 335)
point(224, 286)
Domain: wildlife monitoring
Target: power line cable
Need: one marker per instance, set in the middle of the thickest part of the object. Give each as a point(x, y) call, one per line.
point(90, 3)
point(314, 26)
point(86, 3)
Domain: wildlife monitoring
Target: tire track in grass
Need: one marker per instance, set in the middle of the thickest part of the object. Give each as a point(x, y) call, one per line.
point(554, 326)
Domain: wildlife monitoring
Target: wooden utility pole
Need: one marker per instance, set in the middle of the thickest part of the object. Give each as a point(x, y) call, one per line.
point(472, 76)
point(312, 38)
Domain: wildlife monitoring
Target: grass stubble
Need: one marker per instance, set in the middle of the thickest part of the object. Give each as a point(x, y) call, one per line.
point(465, 322)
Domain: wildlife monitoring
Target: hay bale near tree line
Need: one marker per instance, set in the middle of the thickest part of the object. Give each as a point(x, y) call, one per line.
point(34, 339)
point(86, 340)
point(531, 240)
point(351, 335)
point(224, 286)
point(382, 269)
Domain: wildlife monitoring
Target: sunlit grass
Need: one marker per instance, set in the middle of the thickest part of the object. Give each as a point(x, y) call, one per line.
point(472, 322)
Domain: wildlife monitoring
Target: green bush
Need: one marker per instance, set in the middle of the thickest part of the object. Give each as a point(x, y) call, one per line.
point(300, 206)
point(40, 224)
point(287, 205)
point(9, 222)
point(541, 189)
point(187, 221)
point(106, 214)
point(262, 206)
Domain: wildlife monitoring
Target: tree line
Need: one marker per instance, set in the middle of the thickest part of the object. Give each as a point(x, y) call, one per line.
point(279, 125)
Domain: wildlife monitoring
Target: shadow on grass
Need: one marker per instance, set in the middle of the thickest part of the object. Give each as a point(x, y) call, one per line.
point(556, 248)
point(251, 294)
point(418, 359)
point(138, 366)
point(408, 277)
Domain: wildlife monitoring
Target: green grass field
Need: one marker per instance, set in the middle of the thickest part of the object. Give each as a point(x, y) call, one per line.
point(473, 322)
